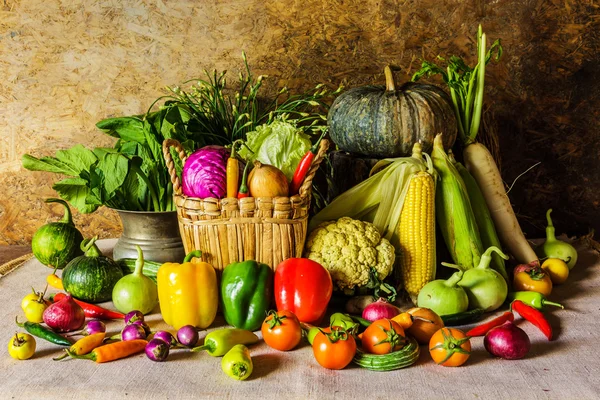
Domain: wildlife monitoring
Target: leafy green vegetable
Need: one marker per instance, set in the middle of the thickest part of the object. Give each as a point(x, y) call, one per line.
point(133, 175)
point(279, 143)
point(466, 85)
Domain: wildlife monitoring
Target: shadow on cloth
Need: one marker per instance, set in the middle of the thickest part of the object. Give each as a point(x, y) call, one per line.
point(264, 364)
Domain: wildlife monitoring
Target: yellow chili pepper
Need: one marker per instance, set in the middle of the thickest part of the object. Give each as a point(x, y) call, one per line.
point(85, 345)
point(188, 293)
point(54, 281)
point(534, 280)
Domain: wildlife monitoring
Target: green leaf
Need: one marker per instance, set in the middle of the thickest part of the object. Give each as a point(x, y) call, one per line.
point(126, 128)
point(114, 169)
point(76, 191)
point(69, 162)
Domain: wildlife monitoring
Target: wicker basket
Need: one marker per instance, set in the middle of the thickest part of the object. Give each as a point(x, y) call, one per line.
point(268, 230)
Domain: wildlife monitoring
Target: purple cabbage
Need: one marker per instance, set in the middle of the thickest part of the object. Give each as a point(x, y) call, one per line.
point(204, 173)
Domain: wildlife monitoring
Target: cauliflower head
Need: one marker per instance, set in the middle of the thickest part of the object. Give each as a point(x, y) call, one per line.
point(348, 249)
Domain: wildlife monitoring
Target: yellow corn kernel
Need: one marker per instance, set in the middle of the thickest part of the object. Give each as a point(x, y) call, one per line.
point(416, 233)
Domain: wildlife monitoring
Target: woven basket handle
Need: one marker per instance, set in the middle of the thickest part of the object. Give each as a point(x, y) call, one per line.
point(306, 188)
point(167, 144)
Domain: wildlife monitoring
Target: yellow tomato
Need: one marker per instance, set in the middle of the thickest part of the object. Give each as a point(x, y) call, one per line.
point(21, 346)
point(557, 269)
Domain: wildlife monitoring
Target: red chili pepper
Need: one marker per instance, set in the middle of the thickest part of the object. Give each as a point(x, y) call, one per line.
point(92, 310)
point(484, 328)
point(304, 166)
point(243, 192)
point(534, 316)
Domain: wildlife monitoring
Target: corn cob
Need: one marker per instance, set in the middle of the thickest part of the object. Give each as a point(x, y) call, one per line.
point(416, 232)
point(453, 211)
point(485, 224)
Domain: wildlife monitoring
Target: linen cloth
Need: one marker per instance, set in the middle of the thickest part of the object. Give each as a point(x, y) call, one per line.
point(566, 368)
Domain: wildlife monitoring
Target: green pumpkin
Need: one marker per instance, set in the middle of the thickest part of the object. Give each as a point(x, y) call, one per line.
point(92, 276)
point(382, 121)
point(57, 243)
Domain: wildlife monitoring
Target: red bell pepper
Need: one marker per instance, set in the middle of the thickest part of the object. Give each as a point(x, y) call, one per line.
point(303, 287)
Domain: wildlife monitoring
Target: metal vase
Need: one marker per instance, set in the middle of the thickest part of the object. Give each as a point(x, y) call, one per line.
point(157, 234)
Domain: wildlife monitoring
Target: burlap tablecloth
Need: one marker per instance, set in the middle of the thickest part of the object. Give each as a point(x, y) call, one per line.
point(567, 368)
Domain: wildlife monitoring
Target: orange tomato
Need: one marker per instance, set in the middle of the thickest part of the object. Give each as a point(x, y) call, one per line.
point(423, 330)
point(334, 350)
point(535, 280)
point(383, 336)
point(450, 347)
point(281, 330)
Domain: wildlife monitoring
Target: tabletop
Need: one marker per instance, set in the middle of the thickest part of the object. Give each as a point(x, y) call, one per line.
point(566, 368)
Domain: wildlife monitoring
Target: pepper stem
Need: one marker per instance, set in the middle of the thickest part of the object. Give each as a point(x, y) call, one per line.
point(67, 217)
point(239, 369)
point(61, 357)
point(90, 356)
point(210, 347)
point(139, 263)
point(192, 254)
point(550, 231)
point(551, 303)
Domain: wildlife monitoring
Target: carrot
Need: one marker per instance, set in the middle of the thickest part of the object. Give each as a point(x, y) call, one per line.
point(481, 165)
point(113, 351)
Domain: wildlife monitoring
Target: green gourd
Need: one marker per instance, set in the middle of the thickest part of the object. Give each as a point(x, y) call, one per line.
point(135, 291)
point(444, 296)
point(385, 121)
point(57, 243)
point(484, 286)
point(92, 276)
point(554, 248)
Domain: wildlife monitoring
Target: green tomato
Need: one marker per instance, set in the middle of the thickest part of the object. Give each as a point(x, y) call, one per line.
point(34, 306)
point(237, 363)
point(21, 346)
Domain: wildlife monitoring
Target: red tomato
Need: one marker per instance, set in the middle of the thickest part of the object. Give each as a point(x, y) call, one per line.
point(303, 287)
point(281, 330)
point(334, 351)
point(383, 336)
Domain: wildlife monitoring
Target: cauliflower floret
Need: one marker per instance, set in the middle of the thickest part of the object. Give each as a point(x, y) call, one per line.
point(348, 249)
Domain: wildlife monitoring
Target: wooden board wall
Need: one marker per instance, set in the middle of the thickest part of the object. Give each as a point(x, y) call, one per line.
point(66, 64)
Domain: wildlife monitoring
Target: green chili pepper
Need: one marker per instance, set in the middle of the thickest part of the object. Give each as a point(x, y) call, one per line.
point(462, 318)
point(44, 333)
point(237, 362)
point(218, 343)
point(312, 332)
point(246, 290)
point(344, 321)
point(534, 299)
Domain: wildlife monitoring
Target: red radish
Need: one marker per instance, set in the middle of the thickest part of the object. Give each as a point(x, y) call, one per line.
point(64, 315)
point(507, 341)
point(379, 310)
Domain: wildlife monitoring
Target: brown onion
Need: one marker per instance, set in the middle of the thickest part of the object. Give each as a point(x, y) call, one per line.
point(64, 315)
point(267, 181)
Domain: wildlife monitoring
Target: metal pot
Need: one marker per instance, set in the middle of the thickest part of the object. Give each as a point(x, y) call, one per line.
point(157, 234)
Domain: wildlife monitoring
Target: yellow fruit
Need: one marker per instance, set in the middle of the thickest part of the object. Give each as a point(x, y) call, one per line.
point(557, 269)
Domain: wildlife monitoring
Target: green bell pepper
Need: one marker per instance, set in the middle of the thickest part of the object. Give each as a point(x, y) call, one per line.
point(246, 290)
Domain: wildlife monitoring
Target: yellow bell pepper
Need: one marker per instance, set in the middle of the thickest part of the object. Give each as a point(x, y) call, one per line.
point(188, 292)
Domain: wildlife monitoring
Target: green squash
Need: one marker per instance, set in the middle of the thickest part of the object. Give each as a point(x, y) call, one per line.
point(382, 121)
point(57, 243)
point(92, 276)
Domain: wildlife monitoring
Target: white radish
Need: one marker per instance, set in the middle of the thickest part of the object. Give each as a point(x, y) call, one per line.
point(481, 165)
